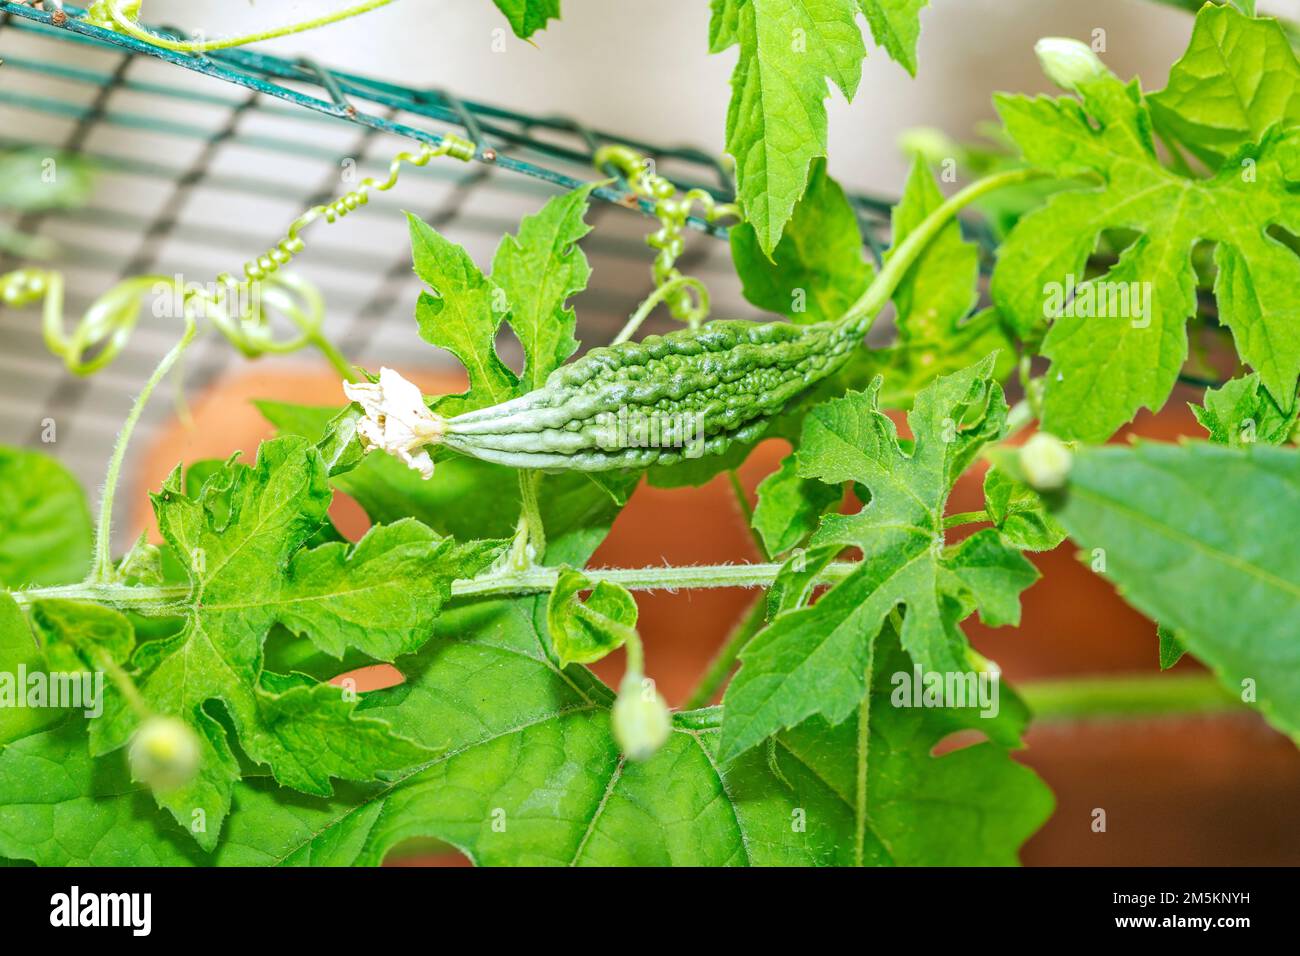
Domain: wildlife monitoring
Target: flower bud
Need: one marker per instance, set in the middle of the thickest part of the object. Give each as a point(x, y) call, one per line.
point(979, 663)
point(1045, 462)
point(1068, 63)
point(932, 145)
point(640, 718)
point(164, 753)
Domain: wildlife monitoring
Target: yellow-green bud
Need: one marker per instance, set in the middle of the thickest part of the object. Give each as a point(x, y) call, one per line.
point(640, 718)
point(164, 753)
point(1045, 462)
point(1068, 63)
point(932, 145)
point(981, 664)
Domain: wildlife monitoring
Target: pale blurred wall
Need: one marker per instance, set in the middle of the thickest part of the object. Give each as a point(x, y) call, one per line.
point(643, 68)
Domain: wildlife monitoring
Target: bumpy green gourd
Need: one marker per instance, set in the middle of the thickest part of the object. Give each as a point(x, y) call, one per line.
point(702, 389)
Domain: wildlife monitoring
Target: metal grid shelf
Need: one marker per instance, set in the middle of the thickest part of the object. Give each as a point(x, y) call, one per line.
point(508, 139)
point(191, 152)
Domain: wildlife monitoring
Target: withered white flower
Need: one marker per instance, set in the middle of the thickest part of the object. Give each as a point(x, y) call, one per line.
point(397, 420)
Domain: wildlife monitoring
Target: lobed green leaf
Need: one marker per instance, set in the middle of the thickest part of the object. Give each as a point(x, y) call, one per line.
point(1119, 344)
point(815, 661)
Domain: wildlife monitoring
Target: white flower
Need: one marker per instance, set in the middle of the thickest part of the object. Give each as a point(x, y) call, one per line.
point(397, 420)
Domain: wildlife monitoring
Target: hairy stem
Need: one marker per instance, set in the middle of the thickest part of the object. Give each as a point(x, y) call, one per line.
point(534, 580)
point(103, 567)
point(111, 593)
point(687, 577)
point(964, 517)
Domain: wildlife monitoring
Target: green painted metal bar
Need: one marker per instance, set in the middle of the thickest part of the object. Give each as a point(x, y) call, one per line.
point(504, 137)
point(250, 70)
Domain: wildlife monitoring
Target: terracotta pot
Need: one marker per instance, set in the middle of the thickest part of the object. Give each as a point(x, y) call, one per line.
point(1176, 791)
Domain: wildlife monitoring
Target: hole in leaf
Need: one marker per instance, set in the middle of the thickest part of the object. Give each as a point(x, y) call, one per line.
point(426, 851)
point(1285, 237)
point(1111, 244)
point(372, 677)
point(958, 740)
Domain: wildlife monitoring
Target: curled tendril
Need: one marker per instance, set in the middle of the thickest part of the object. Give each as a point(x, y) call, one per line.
point(288, 247)
point(100, 12)
point(241, 309)
point(686, 298)
point(104, 330)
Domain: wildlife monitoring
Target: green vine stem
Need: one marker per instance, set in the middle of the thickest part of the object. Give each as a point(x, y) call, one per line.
point(338, 361)
point(742, 502)
point(103, 571)
point(860, 788)
point(119, 14)
point(120, 678)
point(670, 288)
point(1050, 701)
point(669, 239)
point(517, 557)
point(632, 647)
point(724, 660)
point(746, 513)
point(861, 314)
point(1127, 696)
point(682, 577)
point(497, 583)
point(530, 530)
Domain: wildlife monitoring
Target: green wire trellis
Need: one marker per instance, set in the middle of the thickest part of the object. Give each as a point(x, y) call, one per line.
point(541, 154)
point(502, 137)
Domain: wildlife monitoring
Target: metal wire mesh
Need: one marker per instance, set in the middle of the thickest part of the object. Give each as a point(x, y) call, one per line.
point(202, 159)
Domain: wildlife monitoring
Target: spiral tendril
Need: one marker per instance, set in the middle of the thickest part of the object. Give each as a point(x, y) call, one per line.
point(686, 300)
point(239, 308)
